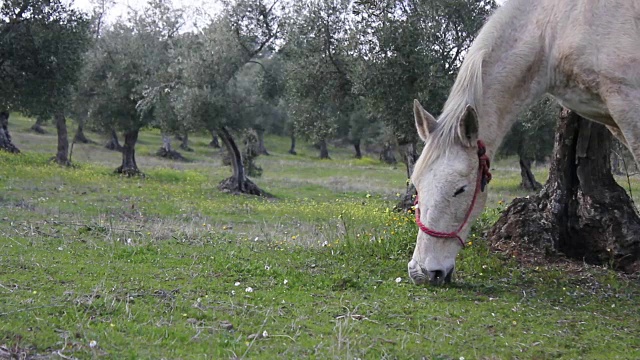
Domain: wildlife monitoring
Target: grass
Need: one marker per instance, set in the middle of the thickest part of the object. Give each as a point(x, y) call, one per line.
point(93, 265)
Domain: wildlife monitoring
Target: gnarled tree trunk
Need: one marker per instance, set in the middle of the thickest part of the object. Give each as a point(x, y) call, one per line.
point(292, 149)
point(215, 142)
point(80, 137)
point(5, 136)
point(356, 146)
point(238, 183)
point(62, 155)
point(37, 127)
point(528, 180)
point(387, 155)
point(184, 143)
point(262, 150)
point(581, 212)
point(129, 166)
point(324, 151)
point(410, 157)
point(166, 151)
point(113, 143)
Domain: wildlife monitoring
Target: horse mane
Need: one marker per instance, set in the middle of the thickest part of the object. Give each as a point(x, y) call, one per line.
point(466, 90)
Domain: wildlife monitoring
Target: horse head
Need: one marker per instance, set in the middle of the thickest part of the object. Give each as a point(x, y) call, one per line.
point(449, 177)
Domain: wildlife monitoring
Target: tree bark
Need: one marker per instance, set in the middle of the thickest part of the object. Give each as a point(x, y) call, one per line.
point(166, 151)
point(618, 154)
point(62, 155)
point(129, 166)
point(113, 143)
point(292, 149)
point(215, 142)
point(37, 127)
point(528, 180)
point(410, 157)
point(262, 150)
point(80, 137)
point(581, 212)
point(5, 137)
point(184, 144)
point(324, 151)
point(387, 154)
point(616, 169)
point(238, 183)
point(356, 146)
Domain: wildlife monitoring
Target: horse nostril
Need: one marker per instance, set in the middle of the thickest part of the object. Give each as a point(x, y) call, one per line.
point(448, 277)
point(436, 277)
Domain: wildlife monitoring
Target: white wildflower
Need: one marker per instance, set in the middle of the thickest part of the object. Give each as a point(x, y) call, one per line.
point(398, 280)
point(237, 283)
point(249, 289)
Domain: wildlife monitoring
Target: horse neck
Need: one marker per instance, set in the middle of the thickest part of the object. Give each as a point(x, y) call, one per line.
point(514, 75)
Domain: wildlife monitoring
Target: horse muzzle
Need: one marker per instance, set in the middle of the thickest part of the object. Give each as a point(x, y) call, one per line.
point(421, 276)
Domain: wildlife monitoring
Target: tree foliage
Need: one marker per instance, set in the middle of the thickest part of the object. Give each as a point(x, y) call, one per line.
point(319, 84)
point(41, 47)
point(413, 49)
point(531, 137)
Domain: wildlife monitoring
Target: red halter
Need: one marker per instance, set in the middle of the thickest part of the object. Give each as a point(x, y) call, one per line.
point(484, 176)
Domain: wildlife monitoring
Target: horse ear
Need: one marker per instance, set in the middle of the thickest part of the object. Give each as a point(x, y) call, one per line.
point(425, 122)
point(469, 126)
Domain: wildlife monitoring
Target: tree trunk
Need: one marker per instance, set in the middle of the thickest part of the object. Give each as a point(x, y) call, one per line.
point(617, 158)
point(238, 183)
point(324, 151)
point(262, 150)
point(387, 154)
point(80, 137)
point(292, 150)
point(581, 212)
point(113, 143)
point(528, 180)
point(410, 157)
point(62, 155)
point(250, 153)
point(37, 127)
point(5, 136)
point(215, 143)
point(356, 146)
point(129, 166)
point(184, 144)
point(166, 151)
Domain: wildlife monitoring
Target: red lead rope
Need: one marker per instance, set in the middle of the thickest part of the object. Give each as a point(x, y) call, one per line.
point(484, 176)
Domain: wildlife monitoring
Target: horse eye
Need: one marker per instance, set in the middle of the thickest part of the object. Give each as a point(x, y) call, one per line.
point(460, 191)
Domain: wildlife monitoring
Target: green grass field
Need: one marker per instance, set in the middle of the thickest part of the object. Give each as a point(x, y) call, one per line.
point(93, 265)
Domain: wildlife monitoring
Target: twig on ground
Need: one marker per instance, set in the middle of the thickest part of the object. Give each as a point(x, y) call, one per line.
point(259, 332)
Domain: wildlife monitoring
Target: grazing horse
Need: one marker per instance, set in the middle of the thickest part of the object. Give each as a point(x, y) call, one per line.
point(585, 53)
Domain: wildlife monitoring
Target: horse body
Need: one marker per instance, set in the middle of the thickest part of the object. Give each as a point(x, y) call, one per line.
point(585, 53)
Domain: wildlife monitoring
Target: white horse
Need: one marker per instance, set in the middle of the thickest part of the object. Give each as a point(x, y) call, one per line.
point(585, 53)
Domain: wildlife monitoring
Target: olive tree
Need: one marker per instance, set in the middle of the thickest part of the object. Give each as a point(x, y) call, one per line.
point(531, 139)
point(319, 84)
point(412, 49)
point(41, 46)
